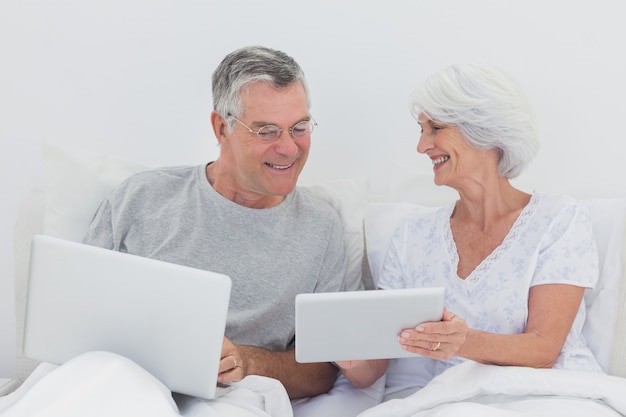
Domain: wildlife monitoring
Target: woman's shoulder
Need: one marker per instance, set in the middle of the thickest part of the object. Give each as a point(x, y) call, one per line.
point(555, 201)
point(556, 205)
point(553, 198)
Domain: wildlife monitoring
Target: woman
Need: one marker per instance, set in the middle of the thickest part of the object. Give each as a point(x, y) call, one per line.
point(515, 265)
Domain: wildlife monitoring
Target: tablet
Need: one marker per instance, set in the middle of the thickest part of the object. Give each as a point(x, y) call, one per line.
point(351, 325)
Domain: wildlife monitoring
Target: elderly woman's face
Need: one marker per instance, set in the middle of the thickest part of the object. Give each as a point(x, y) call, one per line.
point(454, 159)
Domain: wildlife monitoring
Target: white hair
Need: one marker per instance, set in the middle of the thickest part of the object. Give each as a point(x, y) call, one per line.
point(489, 109)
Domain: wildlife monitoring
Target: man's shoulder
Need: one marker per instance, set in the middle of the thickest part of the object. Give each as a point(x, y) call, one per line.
point(310, 201)
point(157, 177)
point(153, 183)
point(164, 174)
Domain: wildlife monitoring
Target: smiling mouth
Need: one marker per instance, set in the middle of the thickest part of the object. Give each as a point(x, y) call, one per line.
point(279, 167)
point(440, 160)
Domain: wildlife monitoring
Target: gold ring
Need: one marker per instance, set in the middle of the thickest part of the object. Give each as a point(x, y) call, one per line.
point(437, 346)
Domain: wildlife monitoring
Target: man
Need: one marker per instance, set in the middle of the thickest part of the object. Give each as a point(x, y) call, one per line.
point(243, 216)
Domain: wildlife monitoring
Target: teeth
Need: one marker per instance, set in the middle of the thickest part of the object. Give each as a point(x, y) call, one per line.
point(440, 160)
point(278, 166)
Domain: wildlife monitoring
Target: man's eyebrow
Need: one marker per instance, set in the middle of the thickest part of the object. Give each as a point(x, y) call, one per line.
point(261, 123)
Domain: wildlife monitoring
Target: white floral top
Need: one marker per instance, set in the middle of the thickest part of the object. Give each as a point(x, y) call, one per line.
point(551, 242)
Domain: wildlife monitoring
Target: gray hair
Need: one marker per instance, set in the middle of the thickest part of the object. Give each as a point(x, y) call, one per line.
point(245, 66)
point(489, 109)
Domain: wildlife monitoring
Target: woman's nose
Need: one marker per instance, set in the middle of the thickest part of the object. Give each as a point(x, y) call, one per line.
point(423, 144)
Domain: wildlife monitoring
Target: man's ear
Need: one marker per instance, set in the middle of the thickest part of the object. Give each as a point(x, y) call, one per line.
point(219, 126)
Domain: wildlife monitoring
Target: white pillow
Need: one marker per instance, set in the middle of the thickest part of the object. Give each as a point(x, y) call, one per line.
point(349, 198)
point(77, 181)
point(608, 217)
point(409, 184)
point(617, 364)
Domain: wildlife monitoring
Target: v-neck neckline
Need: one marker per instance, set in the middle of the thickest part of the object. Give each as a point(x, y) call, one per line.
point(497, 253)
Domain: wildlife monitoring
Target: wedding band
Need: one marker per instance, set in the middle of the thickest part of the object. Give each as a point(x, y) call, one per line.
point(437, 346)
point(235, 363)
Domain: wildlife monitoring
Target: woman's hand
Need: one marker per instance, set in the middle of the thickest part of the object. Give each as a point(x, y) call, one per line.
point(437, 340)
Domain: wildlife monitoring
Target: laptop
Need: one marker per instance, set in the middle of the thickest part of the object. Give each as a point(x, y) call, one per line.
point(168, 318)
point(353, 325)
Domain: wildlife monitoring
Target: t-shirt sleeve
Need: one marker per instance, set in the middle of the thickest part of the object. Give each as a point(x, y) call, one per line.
point(568, 253)
point(100, 230)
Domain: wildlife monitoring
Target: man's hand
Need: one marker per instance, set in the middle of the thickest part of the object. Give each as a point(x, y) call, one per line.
point(232, 363)
point(300, 380)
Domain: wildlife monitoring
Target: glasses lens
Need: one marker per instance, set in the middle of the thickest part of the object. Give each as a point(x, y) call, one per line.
point(302, 130)
point(268, 133)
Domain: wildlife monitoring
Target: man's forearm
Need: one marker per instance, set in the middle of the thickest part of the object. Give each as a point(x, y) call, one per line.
point(299, 379)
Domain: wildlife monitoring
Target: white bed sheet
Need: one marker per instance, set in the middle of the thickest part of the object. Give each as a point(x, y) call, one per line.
point(473, 389)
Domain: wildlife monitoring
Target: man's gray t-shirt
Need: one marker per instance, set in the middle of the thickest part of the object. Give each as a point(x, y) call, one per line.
point(271, 255)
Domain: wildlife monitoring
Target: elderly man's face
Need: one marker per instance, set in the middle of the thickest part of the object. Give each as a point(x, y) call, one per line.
point(261, 173)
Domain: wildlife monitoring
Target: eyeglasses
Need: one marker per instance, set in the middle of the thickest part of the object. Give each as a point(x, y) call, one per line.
point(269, 133)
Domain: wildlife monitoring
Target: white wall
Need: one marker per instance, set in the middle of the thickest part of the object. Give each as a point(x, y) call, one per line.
point(132, 78)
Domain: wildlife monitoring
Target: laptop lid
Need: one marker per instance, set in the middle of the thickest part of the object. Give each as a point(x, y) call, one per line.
point(168, 318)
point(353, 325)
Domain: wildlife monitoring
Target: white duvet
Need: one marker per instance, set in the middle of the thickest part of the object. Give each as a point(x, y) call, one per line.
point(469, 389)
point(473, 389)
point(102, 384)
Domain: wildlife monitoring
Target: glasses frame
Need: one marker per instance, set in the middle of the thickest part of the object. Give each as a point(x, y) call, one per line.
point(312, 123)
